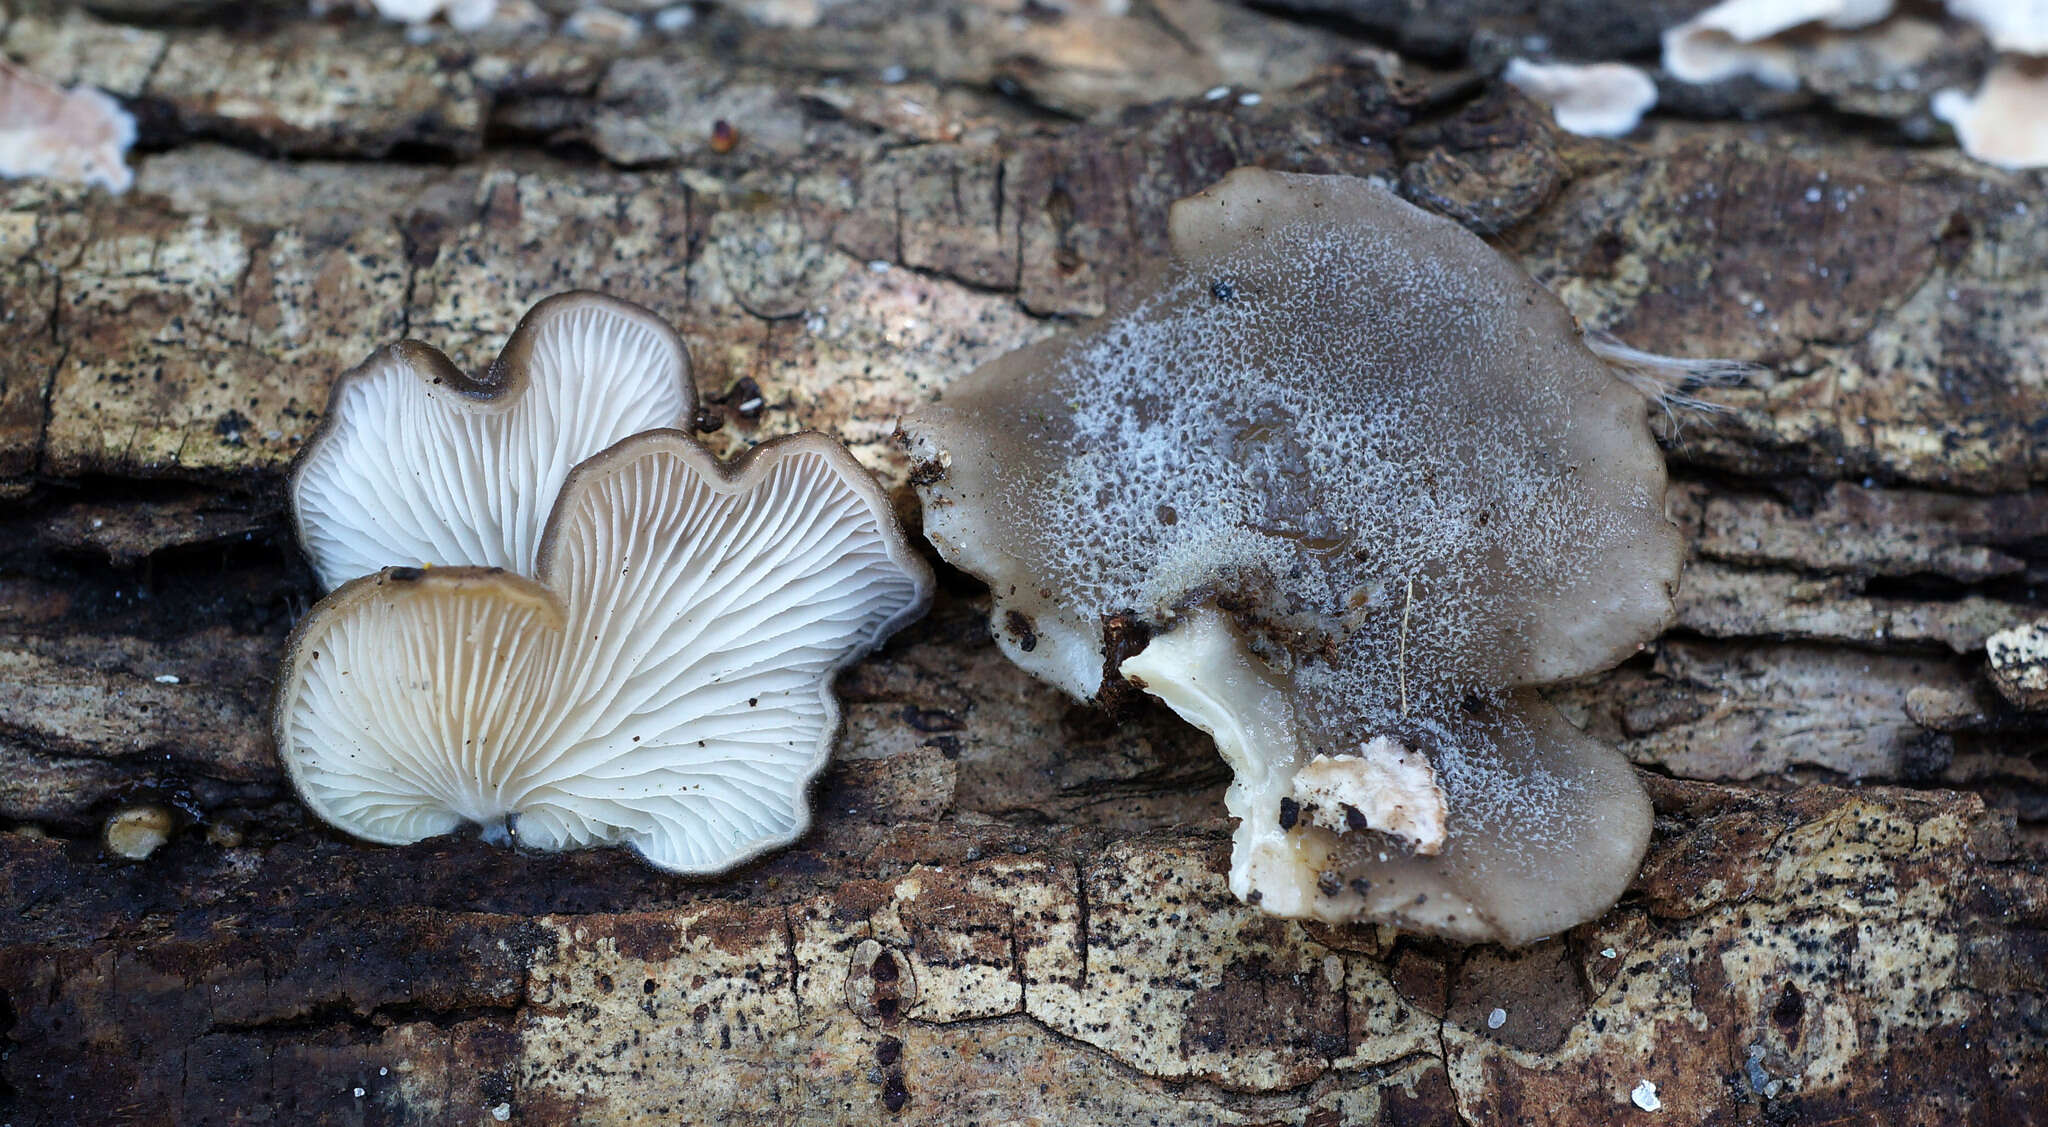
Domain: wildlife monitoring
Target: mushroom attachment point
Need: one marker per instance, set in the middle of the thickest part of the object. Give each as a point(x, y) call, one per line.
point(1343, 486)
point(416, 463)
point(664, 680)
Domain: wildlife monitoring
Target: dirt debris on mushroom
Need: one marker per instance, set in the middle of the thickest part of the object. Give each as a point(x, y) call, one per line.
point(1365, 485)
point(417, 464)
point(664, 680)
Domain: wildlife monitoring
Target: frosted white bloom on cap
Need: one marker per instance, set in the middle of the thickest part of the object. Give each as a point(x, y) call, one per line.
point(417, 464)
point(1342, 486)
point(664, 681)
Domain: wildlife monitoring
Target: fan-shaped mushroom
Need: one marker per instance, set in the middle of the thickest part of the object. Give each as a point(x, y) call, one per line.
point(665, 679)
point(1364, 483)
point(416, 463)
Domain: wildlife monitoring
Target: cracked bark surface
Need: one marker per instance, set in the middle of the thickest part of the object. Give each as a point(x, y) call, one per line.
point(1012, 909)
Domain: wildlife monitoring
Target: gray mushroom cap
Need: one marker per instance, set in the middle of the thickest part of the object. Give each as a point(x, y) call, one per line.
point(1362, 480)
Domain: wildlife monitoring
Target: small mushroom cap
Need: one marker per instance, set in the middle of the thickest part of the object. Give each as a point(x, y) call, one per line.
point(1739, 37)
point(1596, 99)
point(417, 464)
point(665, 680)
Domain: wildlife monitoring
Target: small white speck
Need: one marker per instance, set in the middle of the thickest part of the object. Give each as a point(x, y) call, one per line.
point(98, 523)
point(668, 21)
point(502, 1112)
point(1497, 1018)
point(754, 404)
point(1250, 99)
point(895, 73)
point(1645, 1096)
point(383, 1072)
point(1813, 195)
point(166, 678)
point(1606, 952)
point(359, 1093)
point(1216, 93)
point(1757, 306)
point(878, 266)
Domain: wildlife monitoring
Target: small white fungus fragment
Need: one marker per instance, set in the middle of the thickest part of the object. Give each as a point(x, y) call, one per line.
point(166, 678)
point(79, 136)
point(1600, 100)
point(1739, 37)
point(2019, 26)
point(502, 1112)
point(359, 1093)
point(2006, 121)
point(1250, 99)
point(669, 21)
point(462, 15)
point(138, 831)
point(2019, 664)
point(1497, 1018)
point(1607, 952)
point(1216, 93)
point(602, 25)
point(1644, 1096)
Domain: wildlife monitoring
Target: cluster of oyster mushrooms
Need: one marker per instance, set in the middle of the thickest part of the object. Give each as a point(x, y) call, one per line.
point(556, 617)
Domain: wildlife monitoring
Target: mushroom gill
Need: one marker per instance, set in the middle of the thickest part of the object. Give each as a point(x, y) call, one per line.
point(664, 680)
point(415, 463)
point(1366, 484)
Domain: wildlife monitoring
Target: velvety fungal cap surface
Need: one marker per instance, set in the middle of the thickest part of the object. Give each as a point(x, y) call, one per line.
point(417, 464)
point(1354, 465)
point(664, 681)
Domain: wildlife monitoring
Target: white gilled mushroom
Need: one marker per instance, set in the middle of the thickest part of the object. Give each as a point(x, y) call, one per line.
point(1364, 483)
point(416, 463)
point(664, 681)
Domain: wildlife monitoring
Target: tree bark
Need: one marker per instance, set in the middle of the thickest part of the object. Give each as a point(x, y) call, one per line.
point(1012, 909)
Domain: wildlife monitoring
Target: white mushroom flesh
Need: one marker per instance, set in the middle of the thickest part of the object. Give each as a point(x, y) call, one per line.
point(1385, 787)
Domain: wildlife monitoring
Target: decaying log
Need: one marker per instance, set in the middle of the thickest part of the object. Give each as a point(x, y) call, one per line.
point(1012, 910)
